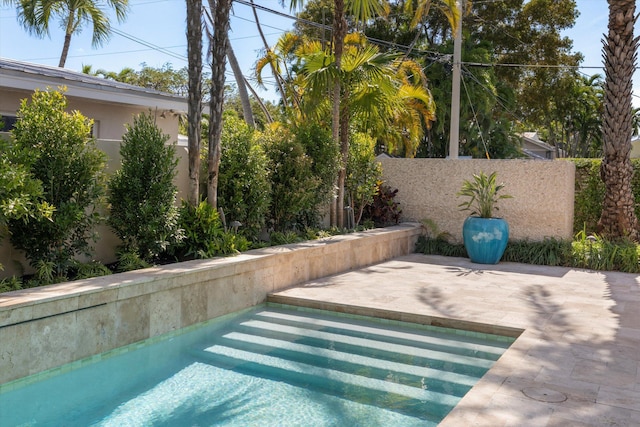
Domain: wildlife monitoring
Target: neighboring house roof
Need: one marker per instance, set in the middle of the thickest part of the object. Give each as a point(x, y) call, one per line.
point(27, 76)
point(532, 138)
point(533, 155)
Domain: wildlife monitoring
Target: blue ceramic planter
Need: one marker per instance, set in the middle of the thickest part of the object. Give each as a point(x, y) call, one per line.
point(485, 239)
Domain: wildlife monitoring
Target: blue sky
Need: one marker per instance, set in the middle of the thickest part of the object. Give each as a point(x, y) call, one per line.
point(161, 23)
point(158, 22)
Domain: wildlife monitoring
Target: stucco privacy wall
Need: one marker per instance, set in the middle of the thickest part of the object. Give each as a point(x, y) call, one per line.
point(43, 328)
point(543, 193)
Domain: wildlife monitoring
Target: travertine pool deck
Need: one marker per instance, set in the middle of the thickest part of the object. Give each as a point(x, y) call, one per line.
point(576, 361)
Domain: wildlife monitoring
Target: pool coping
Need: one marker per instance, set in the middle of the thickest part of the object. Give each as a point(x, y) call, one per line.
point(400, 316)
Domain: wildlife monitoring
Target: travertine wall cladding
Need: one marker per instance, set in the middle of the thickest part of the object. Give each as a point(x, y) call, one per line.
point(542, 203)
point(43, 328)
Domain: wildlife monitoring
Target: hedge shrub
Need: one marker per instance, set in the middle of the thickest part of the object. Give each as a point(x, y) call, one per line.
point(63, 157)
point(244, 189)
point(142, 193)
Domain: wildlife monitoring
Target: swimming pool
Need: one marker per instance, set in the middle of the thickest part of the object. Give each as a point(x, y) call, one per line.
point(269, 366)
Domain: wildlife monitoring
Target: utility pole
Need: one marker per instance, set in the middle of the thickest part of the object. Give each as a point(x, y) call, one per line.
point(454, 131)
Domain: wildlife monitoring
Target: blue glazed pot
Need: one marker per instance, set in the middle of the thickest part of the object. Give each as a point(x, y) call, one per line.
point(485, 239)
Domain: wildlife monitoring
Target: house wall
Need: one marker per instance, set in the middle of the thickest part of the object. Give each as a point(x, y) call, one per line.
point(543, 193)
point(110, 118)
point(43, 328)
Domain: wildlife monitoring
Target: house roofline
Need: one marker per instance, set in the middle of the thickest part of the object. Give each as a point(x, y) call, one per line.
point(537, 142)
point(27, 76)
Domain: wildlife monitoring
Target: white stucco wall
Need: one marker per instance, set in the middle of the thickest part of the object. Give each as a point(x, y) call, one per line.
point(542, 203)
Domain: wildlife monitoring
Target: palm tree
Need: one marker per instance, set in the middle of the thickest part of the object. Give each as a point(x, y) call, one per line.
point(242, 85)
point(387, 95)
point(35, 17)
point(278, 58)
point(194, 114)
point(361, 11)
point(618, 218)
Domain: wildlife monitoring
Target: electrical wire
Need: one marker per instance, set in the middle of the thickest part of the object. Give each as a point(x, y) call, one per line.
point(148, 44)
point(475, 119)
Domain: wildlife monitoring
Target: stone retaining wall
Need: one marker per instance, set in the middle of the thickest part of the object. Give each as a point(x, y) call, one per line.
point(43, 328)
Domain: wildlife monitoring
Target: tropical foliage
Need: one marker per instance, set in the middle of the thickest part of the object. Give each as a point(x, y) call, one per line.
point(60, 154)
point(482, 194)
point(244, 190)
point(142, 194)
point(36, 15)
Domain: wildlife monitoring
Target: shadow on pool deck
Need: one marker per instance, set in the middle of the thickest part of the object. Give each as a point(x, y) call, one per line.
point(576, 362)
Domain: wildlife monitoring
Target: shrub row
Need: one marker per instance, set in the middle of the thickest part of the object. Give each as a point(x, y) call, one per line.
point(278, 179)
point(586, 251)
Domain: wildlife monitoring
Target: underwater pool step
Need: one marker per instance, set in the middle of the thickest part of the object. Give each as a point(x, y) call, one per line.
point(463, 345)
point(436, 359)
point(352, 386)
point(403, 373)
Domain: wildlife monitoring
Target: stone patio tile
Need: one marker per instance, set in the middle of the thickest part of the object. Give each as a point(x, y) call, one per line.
point(512, 410)
point(620, 398)
point(620, 373)
point(596, 416)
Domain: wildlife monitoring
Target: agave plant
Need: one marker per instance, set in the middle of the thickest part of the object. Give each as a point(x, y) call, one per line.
point(482, 193)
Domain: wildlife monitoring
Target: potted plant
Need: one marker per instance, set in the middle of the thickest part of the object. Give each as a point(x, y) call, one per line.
point(485, 236)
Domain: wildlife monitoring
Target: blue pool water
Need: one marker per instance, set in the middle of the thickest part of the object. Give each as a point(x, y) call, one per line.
point(269, 366)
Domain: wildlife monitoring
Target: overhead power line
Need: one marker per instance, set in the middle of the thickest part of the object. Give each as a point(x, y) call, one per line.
point(148, 44)
point(430, 55)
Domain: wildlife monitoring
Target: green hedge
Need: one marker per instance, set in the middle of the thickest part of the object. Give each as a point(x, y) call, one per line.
point(590, 193)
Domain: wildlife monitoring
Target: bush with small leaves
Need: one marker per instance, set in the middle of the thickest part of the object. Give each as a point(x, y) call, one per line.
point(293, 188)
point(325, 162)
point(363, 174)
point(56, 149)
point(244, 189)
point(142, 193)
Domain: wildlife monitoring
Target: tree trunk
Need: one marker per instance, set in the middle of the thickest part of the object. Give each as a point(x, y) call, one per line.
point(260, 103)
point(274, 71)
point(344, 156)
point(67, 39)
point(242, 88)
point(194, 114)
point(618, 217)
point(219, 48)
point(339, 32)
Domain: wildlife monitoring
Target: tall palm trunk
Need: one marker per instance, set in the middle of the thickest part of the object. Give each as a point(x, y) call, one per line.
point(69, 28)
point(276, 75)
point(242, 88)
point(219, 47)
point(339, 32)
point(194, 114)
point(618, 218)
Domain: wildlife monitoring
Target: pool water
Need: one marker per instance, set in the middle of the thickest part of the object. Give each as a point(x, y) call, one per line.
point(269, 366)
